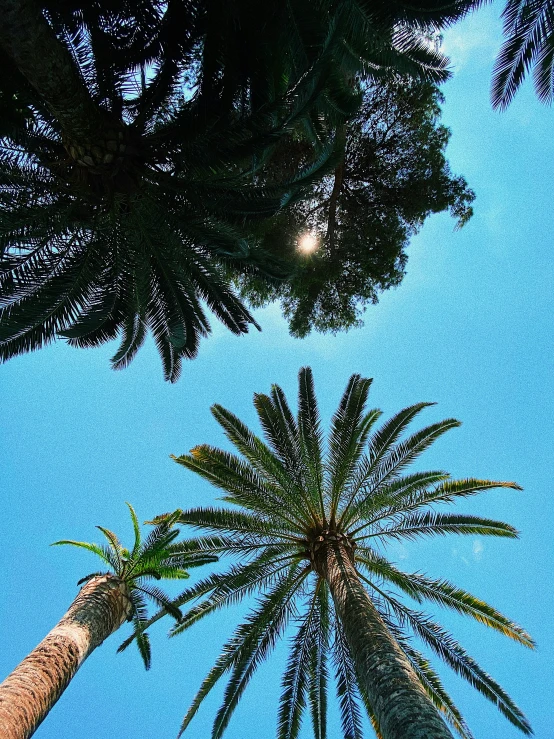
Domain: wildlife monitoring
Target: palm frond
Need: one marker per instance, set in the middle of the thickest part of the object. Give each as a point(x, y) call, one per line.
point(383, 440)
point(528, 28)
point(250, 644)
point(447, 491)
point(348, 435)
point(444, 492)
point(136, 529)
point(223, 586)
point(262, 459)
point(368, 500)
point(448, 649)
point(235, 522)
point(160, 599)
point(445, 594)
point(311, 436)
point(318, 677)
point(244, 486)
point(232, 586)
point(412, 525)
point(94, 548)
point(294, 683)
point(139, 619)
point(347, 687)
point(279, 426)
point(407, 451)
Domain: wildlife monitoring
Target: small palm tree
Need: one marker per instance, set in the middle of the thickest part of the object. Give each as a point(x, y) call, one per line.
point(311, 530)
point(104, 603)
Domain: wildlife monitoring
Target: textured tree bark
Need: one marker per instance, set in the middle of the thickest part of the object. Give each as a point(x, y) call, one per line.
point(401, 706)
point(48, 66)
point(28, 694)
point(94, 138)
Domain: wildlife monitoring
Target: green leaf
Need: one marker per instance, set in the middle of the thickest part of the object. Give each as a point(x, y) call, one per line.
point(94, 548)
point(445, 594)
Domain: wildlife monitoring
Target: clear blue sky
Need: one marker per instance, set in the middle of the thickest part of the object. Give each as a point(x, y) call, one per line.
point(469, 328)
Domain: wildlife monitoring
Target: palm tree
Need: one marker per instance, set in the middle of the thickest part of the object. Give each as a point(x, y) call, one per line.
point(122, 202)
point(125, 194)
point(529, 44)
point(104, 603)
point(311, 529)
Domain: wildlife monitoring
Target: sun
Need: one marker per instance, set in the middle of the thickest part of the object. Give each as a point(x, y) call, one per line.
point(308, 242)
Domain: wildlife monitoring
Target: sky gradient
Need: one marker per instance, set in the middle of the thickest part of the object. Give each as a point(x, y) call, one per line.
point(469, 328)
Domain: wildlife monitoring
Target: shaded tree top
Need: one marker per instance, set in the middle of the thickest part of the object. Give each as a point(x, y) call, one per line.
point(139, 151)
point(391, 173)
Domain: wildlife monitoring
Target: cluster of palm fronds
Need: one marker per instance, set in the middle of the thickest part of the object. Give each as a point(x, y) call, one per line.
point(529, 44)
point(158, 557)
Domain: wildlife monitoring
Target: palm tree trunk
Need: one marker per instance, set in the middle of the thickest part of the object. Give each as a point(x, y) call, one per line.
point(400, 704)
point(48, 66)
point(93, 137)
point(28, 694)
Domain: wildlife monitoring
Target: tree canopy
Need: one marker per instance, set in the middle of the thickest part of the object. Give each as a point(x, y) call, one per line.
point(138, 164)
point(104, 603)
point(391, 173)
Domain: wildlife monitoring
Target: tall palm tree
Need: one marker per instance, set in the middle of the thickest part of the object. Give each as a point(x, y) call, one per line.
point(311, 529)
point(124, 194)
point(529, 44)
point(104, 603)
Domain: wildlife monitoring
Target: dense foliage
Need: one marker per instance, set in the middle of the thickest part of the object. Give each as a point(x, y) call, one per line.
point(390, 175)
point(134, 163)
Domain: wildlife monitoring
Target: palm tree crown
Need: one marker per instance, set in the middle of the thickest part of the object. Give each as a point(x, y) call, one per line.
point(303, 511)
point(156, 557)
point(121, 214)
point(104, 603)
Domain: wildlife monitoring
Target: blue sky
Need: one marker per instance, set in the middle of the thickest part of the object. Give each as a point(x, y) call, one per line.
point(469, 328)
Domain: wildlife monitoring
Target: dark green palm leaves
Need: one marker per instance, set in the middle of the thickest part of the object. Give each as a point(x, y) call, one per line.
point(158, 557)
point(126, 224)
point(529, 44)
point(292, 495)
point(90, 265)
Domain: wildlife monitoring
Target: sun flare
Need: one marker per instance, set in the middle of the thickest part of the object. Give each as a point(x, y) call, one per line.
point(308, 243)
